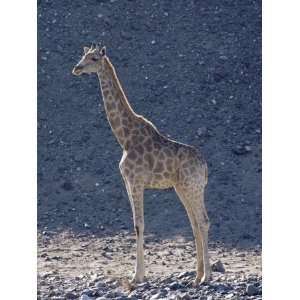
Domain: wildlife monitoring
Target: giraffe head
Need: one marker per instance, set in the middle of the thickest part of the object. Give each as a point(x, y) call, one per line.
point(91, 61)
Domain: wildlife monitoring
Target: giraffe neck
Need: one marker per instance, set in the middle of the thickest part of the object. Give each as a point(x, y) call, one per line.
point(118, 110)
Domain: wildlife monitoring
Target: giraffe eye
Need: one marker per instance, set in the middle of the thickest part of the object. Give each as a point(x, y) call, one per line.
point(94, 59)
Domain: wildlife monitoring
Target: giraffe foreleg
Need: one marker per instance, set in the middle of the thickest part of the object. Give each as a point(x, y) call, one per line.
point(136, 197)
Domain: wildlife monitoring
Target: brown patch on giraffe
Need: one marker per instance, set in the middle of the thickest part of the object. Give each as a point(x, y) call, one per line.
point(129, 165)
point(105, 93)
point(132, 155)
point(148, 145)
point(139, 161)
point(120, 133)
point(112, 114)
point(115, 122)
point(161, 156)
point(120, 106)
point(140, 149)
point(158, 177)
point(110, 105)
point(150, 160)
point(167, 152)
point(139, 170)
point(126, 131)
point(125, 122)
point(167, 175)
point(169, 165)
point(141, 138)
point(143, 131)
point(159, 167)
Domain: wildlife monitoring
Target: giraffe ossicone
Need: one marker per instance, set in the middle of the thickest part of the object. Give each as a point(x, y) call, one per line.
point(151, 160)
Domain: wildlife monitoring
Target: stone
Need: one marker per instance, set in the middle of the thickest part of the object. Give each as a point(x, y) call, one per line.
point(85, 297)
point(251, 290)
point(175, 286)
point(202, 131)
point(71, 295)
point(218, 267)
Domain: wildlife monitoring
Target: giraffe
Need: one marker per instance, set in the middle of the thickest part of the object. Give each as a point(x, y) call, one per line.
point(151, 161)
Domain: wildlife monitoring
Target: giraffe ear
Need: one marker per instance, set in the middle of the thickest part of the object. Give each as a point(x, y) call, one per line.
point(103, 51)
point(86, 49)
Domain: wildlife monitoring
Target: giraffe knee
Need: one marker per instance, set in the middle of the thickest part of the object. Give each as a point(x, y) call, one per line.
point(139, 229)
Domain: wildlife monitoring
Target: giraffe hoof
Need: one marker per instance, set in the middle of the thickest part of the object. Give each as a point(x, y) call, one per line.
point(137, 279)
point(201, 280)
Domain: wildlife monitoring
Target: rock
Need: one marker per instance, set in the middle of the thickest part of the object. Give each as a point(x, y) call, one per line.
point(156, 296)
point(175, 286)
point(202, 131)
point(251, 290)
point(184, 296)
point(185, 274)
point(218, 267)
point(85, 297)
point(71, 295)
point(241, 150)
point(86, 225)
point(87, 292)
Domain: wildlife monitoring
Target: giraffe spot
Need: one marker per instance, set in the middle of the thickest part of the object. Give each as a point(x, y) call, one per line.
point(167, 152)
point(143, 131)
point(159, 167)
point(112, 114)
point(139, 161)
point(141, 138)
point(169, 165)
point(158, 177)
point(140, 149)
point(110, 105)
point(161, 156)
point(120, 133)
point(129, 165)
point(167, 175)
point(148, 145)
point(156, 146)
point(134, 139)
point(135, 131)
point(139, 170)
point(120, 106)
point(105, 93)
point(125, 122)
point(132, 155)
point(115, 122)
point(126, 171)
point(126, 131)
point(149, 160)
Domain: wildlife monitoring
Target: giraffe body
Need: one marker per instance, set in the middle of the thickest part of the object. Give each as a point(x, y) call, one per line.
point(151, 160)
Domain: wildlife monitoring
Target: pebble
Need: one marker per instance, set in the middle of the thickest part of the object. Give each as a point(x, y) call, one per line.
point(85, 297)
point(71, 295)
point(218, 267)
point(251, 290)
point(202, 131)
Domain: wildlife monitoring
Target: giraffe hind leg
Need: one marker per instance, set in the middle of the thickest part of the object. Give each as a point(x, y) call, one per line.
point(191, 192)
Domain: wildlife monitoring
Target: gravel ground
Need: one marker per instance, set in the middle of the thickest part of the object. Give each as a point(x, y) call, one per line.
point(194, 69)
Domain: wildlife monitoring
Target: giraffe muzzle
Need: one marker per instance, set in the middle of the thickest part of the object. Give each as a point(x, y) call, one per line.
point(77, 70)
